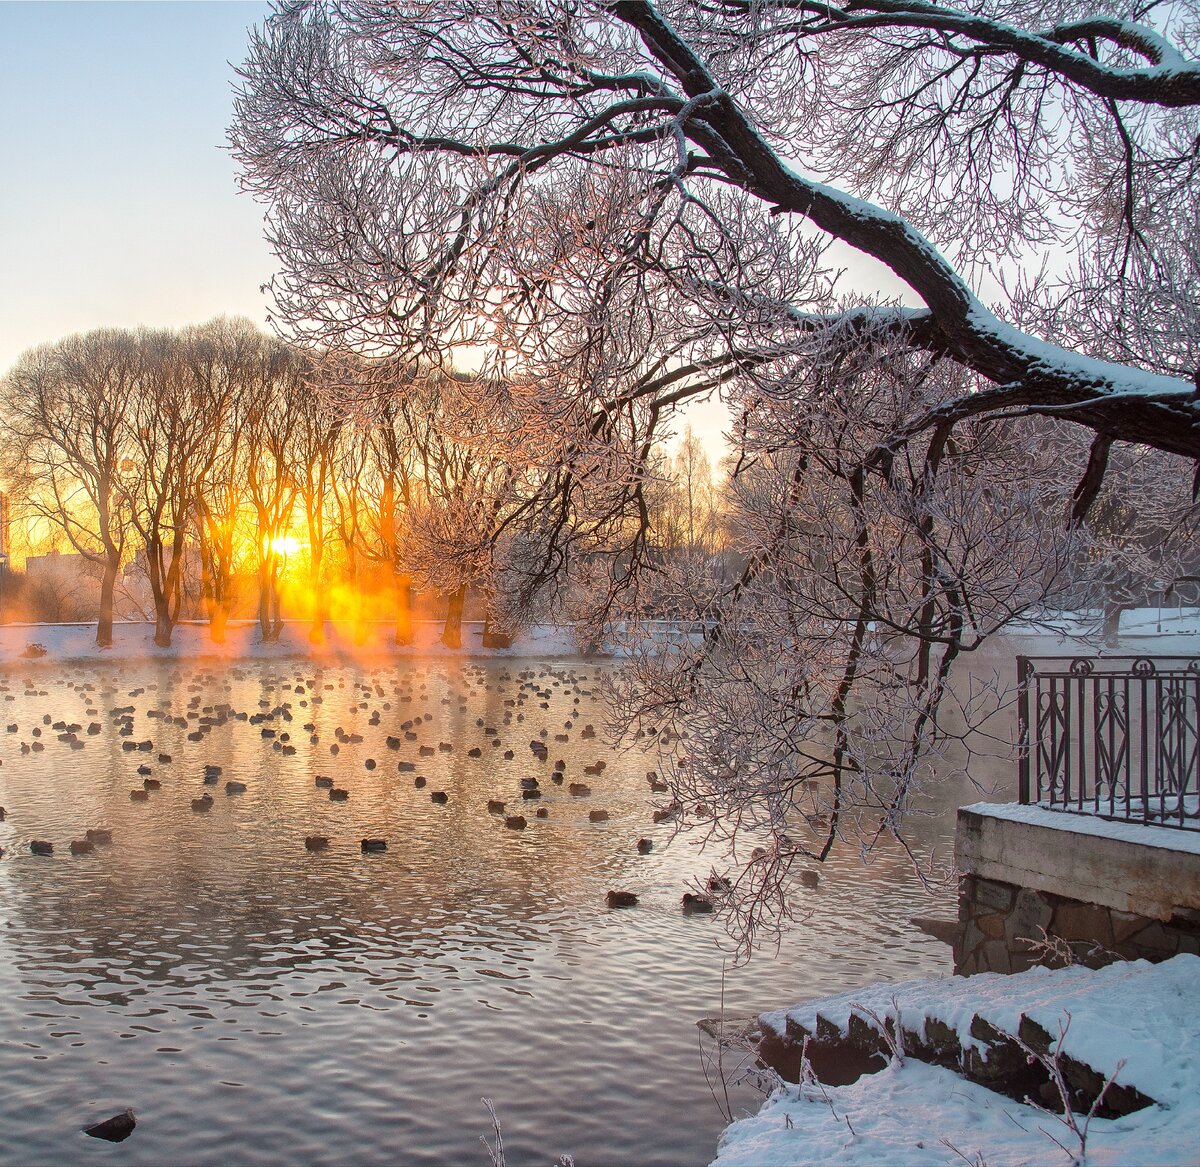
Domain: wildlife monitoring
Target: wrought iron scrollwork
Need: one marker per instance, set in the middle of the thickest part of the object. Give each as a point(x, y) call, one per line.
point(1112, 744)
point(1114, 737)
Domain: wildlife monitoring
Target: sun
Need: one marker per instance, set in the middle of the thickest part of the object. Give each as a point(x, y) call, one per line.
point(285, 545)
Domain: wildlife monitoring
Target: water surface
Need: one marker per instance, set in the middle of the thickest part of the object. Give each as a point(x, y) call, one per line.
point(257, 1003)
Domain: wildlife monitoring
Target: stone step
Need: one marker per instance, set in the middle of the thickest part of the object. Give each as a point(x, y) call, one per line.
point(841, 1047)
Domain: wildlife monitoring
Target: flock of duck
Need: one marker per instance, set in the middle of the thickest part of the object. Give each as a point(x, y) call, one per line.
point(279, 722)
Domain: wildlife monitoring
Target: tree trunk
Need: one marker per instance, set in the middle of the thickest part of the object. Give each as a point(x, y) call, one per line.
point(163, 624)
point(452, 633)
point(160, 592)
point(264, 603)
point(316, 631)
point(1111, 630)
point(493, 639)
point(104, 633)
point(214, 590)
point(404, 628)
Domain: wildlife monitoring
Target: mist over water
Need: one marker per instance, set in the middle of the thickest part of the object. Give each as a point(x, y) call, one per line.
point(258, 1003)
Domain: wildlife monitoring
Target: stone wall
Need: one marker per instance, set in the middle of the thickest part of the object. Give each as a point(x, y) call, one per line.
point(1004, 928)
point(1047, 887)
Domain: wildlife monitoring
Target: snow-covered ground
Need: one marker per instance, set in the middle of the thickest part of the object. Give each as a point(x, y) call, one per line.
point(135, 641)
point(1153, 630)
point(1144, 630)
point(1146, 1015)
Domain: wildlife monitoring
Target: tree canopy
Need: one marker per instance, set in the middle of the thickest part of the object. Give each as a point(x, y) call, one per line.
point(624, 206)
point(478, 169)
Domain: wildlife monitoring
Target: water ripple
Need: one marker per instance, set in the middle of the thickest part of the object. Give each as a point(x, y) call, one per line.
point(261, 1004)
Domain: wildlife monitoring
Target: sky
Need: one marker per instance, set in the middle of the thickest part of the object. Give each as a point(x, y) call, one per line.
point(118, 204)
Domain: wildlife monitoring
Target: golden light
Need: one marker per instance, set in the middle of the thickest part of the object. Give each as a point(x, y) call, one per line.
point(285, 545)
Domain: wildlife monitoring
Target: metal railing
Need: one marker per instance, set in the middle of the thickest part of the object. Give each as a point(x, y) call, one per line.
point(1116, 737)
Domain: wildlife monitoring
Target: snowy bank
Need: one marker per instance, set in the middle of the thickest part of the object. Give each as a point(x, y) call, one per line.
point(1166, 631)
point(1146, 1016)
point(134, 641)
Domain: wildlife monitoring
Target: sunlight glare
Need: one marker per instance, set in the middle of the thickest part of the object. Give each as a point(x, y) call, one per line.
point(286, 545)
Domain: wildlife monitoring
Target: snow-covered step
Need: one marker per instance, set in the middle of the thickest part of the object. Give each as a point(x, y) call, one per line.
point(1098, 1023)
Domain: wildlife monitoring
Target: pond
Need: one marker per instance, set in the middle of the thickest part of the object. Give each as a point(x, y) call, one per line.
point(259, 1003)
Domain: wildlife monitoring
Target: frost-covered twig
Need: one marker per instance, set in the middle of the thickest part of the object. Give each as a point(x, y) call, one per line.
point(888, 1028)
point(1051, 1061)
point(495, 1150)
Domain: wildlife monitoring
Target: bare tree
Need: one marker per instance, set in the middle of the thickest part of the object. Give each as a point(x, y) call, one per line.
point(685, 512)
point(373, 492)
point(66, 407)
point(232, 352)
point(454, 489)
point(178, 411)
point(275, 393)
point(629, 206)
point(409, 154)
point(427, 488)
point(315, 444)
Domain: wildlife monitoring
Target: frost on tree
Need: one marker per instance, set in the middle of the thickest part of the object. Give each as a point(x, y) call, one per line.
point(626, 206)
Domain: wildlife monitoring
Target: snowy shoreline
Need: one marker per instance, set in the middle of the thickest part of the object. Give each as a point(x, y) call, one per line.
point(1134, 1019)
point(913, 1114)
point(134, 641)
point(1143, 630)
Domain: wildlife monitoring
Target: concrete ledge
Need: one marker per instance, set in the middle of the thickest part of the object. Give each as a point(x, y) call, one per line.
point(1150, 871)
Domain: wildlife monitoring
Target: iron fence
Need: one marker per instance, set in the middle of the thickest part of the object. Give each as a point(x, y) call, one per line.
point(1117, 737)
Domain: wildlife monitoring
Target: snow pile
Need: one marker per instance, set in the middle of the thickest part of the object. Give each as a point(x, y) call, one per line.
point(911, 1113)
